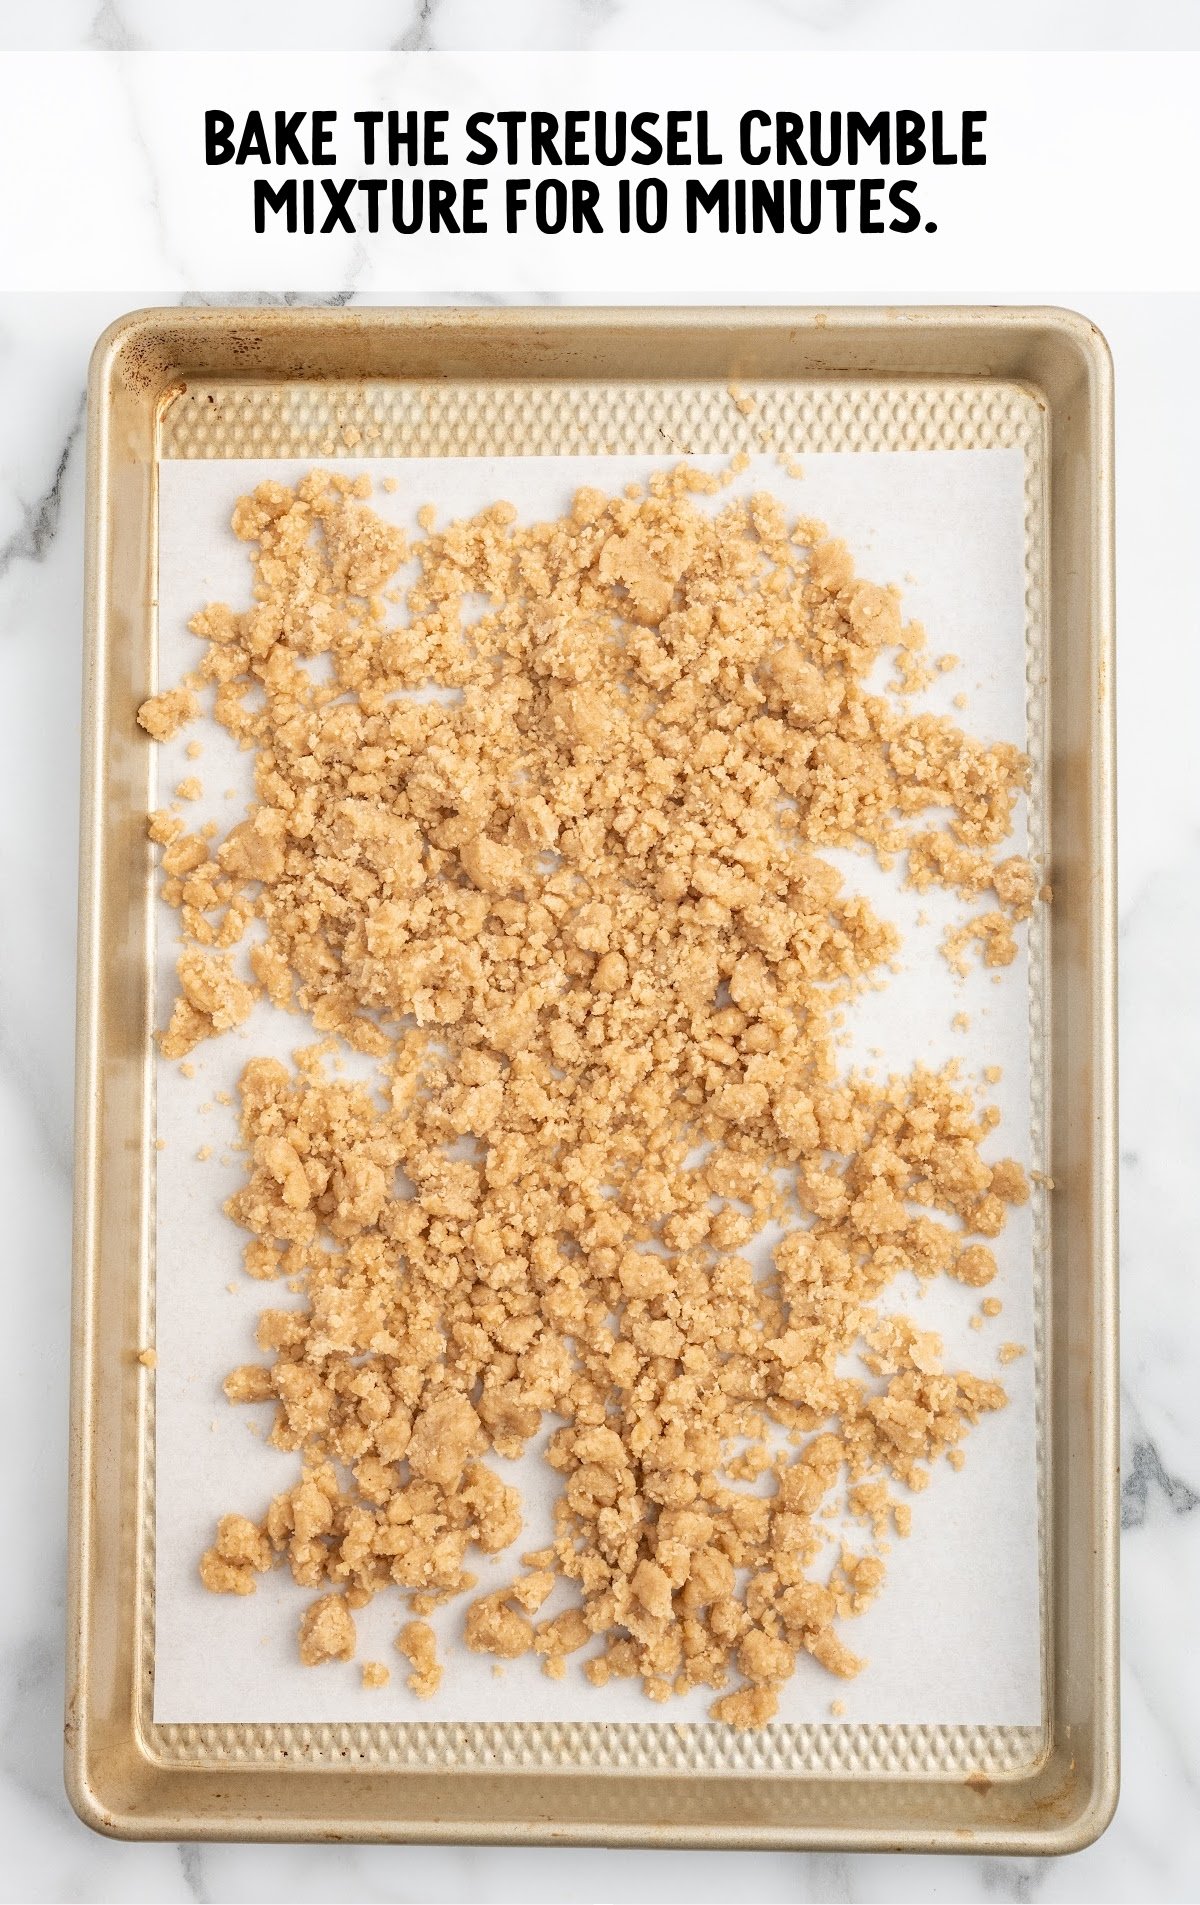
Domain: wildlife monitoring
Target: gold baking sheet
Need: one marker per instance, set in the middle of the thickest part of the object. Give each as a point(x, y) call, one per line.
point(315, 384)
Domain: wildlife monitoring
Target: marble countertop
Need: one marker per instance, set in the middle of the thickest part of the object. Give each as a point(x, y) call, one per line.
point(1152, 1851)
point(597, 25)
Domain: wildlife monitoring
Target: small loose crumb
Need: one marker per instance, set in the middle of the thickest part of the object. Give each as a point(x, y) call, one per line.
point(538, 1558)
point(375, 1673)
point(750, 1707)
point(351, 436)
point(160, 1144)
point(148, 1358)
point(418, 1643)
point(190, 789)
point(163, 715)
point(212, 999)
point(391, 485)
point(1010, 1352)
point(960, 700)
point(946, 662)
point(492, 1627)
point(837, 1708)
point(991, 1306)
point(912, 672)
point(193, 750)
point(975, 1265)
point(993, 1074)
point(240, 1551)
point(327, 1631)
point(994, 933)
point(204, 1153)
point(961, 1021)
point(186, 1068)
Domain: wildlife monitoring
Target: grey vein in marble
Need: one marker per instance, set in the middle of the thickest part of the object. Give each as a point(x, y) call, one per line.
point(109, 33)
point(418, 38)
point(291, 300)
point(1144, 1476)
point(1014, 1880)
point(168, 250)
point(40, 519)
point(191, 1864)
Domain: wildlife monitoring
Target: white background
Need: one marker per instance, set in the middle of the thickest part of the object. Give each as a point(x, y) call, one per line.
point(1153, 1849)
point(1089, 163)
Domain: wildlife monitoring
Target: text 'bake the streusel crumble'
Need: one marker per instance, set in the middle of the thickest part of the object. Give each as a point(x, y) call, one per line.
point(575, 906)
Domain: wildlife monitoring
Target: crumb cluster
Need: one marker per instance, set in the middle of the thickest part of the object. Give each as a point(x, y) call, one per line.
point(574, 905)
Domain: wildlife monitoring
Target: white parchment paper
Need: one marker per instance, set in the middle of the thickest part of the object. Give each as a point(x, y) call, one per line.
point(954, 1637)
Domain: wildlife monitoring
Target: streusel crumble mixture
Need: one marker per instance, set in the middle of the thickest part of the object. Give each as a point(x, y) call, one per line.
point(575, 906)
